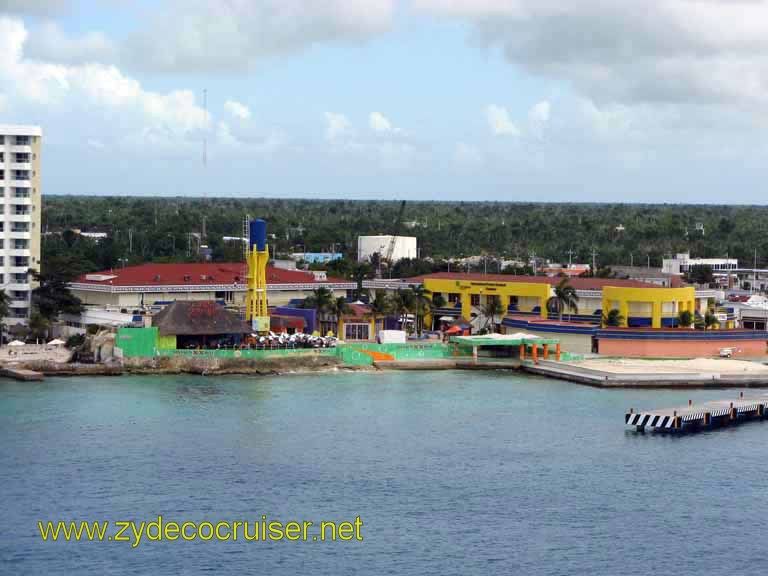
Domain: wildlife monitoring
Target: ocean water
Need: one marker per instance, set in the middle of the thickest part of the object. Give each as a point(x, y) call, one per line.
point(450, 472)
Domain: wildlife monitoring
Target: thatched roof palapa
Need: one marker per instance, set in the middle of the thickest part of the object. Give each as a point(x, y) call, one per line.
point(198, 318)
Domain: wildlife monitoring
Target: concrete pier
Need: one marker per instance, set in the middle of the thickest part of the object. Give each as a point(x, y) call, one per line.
point(21, 374)
point(697, 417)
point(648, 379)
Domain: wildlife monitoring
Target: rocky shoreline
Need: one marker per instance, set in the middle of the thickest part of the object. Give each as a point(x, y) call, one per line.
point(200, 366)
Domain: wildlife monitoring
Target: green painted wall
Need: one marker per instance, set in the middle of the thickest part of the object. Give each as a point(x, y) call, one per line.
point(145, 342)
point(166, 342)
point(354, 353)
point(137, 341)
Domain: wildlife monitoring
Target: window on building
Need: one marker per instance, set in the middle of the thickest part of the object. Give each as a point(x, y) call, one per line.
point(453, 297)
point(356, 331)
point(19, 226)
point(21, 174)
point(21, 192)
point(20, 244)
point(475, 299)
point(19, 261)
point(20, 210)
point(19, 278)
point(23, 141)
point(19, 294)
point(21, 157)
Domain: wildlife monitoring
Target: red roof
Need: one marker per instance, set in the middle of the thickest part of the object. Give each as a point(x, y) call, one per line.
point(195, 274)
point(578, 283)
point(358, 311)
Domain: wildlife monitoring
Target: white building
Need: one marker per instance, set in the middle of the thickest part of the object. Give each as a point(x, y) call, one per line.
point(20, 155)
point(404, 247)
point(682, 263)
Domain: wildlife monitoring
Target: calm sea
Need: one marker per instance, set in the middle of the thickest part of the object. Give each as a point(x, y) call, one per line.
point(451, 473)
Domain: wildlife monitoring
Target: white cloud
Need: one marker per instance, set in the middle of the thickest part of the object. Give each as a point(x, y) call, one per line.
point(139, 117)
point(381, 124)
point(387, 148)
point(248, 143)
point(48, 42)
point(95, 143)
point(538, 117)
point(658, 51)
point(499, 121)
point(467, 157)
point(36, 7)
point(237, 109)
point(199, 35)
point(540, 112)
point(337, 126)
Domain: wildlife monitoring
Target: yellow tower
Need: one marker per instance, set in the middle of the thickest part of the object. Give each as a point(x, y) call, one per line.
point(257, 256)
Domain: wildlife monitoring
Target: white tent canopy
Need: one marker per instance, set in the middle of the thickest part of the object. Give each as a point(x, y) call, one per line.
point(16, 343)
point(56, 342)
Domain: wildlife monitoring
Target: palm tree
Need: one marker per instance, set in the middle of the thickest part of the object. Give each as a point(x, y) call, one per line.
point(685, 319)
point(565, 297)
point(491, 309)
point(710, 320)
point(339, 308)
point(402, 304)
point(421, 305)
point(320, 300)
point(613, 318)
point(380, 306)
point(4, 311)
point(438, 301)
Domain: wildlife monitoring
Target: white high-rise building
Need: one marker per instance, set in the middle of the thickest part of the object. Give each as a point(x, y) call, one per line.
point(20, 148)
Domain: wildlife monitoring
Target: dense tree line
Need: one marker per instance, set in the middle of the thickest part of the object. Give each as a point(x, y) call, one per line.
point(144, 229)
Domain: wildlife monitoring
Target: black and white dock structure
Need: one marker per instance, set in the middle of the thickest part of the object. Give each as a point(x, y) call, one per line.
point(696, 417)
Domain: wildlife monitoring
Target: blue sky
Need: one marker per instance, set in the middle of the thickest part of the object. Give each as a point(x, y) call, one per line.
point(431, 99)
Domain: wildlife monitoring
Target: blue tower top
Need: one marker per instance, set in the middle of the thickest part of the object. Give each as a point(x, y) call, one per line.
point(258, 234)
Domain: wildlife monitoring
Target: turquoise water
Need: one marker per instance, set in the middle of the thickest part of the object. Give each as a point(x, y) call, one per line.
point(451, 473)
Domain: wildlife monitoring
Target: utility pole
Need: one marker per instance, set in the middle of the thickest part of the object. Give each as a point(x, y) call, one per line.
point(594, 260)
point(631, 260)
point(754, 280)
point(570, 257)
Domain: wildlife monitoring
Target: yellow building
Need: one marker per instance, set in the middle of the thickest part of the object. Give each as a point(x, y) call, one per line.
point(655, 303)
point(640, 303)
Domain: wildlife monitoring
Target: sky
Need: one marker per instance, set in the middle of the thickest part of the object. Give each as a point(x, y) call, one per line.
point(512, 100)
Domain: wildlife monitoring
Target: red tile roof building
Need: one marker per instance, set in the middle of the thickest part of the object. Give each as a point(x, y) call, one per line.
point(151, 284)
